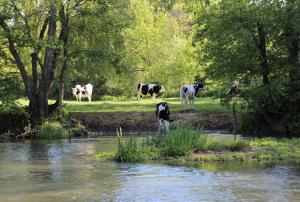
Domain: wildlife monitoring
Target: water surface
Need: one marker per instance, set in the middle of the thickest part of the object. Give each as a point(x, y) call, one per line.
point(65, 171)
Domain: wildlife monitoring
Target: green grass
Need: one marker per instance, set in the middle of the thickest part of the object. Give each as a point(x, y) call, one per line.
point(184, 145)
point(51, 130)
point(206, 104)
point(146, 105)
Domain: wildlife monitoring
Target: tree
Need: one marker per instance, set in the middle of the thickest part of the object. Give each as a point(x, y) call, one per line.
point(259, 48)
point(43, 35)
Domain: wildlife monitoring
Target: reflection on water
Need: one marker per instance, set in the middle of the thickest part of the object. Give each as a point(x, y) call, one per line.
point(64, 171)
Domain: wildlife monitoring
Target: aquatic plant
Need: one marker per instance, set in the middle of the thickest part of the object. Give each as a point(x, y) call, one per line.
point(51, 130)
point(128, 150)
point(179, 141)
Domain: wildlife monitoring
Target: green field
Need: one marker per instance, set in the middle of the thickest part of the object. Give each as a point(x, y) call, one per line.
point(146, 105)
point(206, 104)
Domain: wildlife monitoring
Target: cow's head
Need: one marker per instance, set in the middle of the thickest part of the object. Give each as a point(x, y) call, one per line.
point(198, 86)
point(162, 89)
point(162, 111)
point(74, 91)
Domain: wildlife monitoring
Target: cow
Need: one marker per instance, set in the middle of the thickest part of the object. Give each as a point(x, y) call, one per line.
point(188, 92)
point(163, 117)
point(149, 89)
point(83, 92)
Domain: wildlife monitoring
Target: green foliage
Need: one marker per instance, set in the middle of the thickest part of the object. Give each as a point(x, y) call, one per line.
point(204, 148)
point(179, 141)
point(13, 118)
point(51, 130)
point(104, 156)
point(11, 87)
point(236, 53)
point(128, 150)
point(78, 132)
point(228, 144)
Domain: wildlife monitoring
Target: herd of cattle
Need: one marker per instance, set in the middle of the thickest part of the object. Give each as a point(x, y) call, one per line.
point(188, 93)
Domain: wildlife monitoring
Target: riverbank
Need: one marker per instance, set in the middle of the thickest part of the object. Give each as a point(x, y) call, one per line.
point(106, 123)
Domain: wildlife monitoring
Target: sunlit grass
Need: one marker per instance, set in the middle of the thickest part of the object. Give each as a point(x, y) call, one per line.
point(201, 105)
point(206, 104)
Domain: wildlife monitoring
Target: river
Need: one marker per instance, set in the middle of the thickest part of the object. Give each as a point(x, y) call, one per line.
point(65, 171)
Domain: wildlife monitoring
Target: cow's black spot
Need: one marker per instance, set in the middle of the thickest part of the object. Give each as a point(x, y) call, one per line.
point(145, 89)
point(83, 92)
point(77, 92)
point(156, 89)
point(185, 89)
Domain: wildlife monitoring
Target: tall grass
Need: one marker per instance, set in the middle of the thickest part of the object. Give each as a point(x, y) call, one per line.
point(128, 150)
point(179, 141)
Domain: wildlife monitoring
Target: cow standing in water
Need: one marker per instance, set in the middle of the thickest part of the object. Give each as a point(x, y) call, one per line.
point(149, 89)
point(83, 92)
point(163, 117)
point(188, 92)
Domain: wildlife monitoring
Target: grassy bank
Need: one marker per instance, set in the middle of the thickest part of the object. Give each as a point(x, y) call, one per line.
point(206, 104)
point(182, 144)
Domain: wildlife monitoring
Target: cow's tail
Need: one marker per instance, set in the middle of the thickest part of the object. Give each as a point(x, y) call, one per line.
point(138, 87)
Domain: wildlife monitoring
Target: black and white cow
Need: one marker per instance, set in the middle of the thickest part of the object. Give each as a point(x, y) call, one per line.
point(149, 89)
point(83, 92)
point(163, 117)
point(188, 92)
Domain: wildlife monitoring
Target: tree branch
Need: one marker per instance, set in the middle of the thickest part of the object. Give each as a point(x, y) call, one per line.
point(17, 58)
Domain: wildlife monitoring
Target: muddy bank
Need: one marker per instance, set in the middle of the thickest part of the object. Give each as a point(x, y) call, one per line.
point(145, 122)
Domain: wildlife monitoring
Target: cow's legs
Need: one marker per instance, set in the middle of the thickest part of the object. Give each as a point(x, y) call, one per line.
point(186, 103)
point(159, 127)
point(153, 97)
point(181, 107)
point(193, 103)
point(139, 96)
point(89, 98)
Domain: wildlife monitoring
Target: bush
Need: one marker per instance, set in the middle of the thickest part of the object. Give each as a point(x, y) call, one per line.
point(79, 132)
point(13, 118)
point(272, 110)
point(51, 130)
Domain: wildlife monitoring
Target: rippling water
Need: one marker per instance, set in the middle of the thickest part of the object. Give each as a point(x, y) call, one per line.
point(65, 171)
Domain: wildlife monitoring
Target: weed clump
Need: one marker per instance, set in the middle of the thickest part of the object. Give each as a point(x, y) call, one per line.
point(179, 141)
point(51, 130)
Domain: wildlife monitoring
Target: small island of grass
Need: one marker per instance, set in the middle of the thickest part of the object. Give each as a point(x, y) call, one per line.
point(182, 143)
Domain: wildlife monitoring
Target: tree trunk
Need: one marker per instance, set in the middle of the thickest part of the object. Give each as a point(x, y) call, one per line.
point(64, 35)
point(37, 90)
point(62, 84)
point(265, 71)
point(292, 43)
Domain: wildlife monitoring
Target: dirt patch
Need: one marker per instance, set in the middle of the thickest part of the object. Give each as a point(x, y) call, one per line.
point(143, 122)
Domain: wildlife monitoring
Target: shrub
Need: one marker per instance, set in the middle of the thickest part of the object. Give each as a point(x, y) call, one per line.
point(51, 130)
point(79, 132)
point(13, 118)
